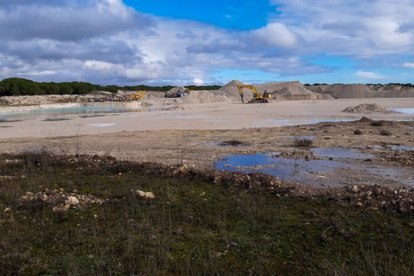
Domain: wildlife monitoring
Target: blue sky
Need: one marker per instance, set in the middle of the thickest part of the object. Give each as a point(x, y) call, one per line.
point(232, 14)
point(208, 42)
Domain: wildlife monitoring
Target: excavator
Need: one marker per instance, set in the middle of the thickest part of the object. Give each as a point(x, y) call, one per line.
point(138, 96)
point(257, 96)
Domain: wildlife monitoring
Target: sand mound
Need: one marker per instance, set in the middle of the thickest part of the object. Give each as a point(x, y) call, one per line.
point(366, 108)
point(350, 91)
point(231, 91)
point(206, 96)
point(292, 90)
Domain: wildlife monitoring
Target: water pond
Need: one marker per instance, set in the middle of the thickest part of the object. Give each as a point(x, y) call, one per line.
point(316, 172)
point(60, 112)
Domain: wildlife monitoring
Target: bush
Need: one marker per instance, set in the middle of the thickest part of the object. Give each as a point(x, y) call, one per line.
point(232, 142)
point(303, 142)
point(357, 132)
point(377, 123)
point(385, 132)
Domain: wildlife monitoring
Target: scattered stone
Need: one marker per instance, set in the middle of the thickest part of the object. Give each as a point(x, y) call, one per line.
point(355, 189)
point(183, 170)
point(145, 195)
point(72, 201)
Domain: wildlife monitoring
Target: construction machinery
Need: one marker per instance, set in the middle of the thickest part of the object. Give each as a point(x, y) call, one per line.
point(257, 96)
point(138, 96)
point(177, 92)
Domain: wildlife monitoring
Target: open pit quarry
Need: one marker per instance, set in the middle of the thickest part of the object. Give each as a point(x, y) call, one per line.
point(214, 129)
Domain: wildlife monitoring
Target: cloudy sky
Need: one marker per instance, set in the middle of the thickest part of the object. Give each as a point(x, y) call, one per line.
point(207, 42)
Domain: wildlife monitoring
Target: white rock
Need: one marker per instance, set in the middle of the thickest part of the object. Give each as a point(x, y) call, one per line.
point(145, 195)
point(72, 200)
point(355, 189)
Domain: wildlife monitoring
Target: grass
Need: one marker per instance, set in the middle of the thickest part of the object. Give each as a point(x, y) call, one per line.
point(191, 227)
point(233, 143)
point(377, 123)
point(358, 132)
point(303, 142)
point(385, 132)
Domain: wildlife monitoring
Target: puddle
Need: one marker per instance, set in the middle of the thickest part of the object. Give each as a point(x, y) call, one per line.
point(55, 119)
point(233, 143)
point(314, 172)
point(295, 122)
point(302, 137)
point(408, 110)
point(57, 111)
point(338, 153)
point(394, 148)
point(102, 125)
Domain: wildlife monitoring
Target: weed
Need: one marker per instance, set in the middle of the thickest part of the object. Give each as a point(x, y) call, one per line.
point(192, 226)
point(358, 132)
point(385, 132)
point(233, 143)
point(377, 123)
point(303, 143)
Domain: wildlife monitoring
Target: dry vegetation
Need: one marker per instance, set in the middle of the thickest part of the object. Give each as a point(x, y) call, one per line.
point(189, 223)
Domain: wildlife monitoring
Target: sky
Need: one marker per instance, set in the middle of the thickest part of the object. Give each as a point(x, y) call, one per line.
point(182, 42)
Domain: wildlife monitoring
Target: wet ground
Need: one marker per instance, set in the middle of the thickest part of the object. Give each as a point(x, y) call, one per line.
point(328, 167)
point(336, 157)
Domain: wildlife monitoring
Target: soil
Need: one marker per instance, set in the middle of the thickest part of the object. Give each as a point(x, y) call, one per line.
point(366, 108)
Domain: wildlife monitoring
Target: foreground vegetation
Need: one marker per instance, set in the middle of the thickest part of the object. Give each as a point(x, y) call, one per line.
point(192, 226)
point(19, 86)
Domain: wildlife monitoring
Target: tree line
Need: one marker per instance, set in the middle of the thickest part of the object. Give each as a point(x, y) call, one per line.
point(20, 87)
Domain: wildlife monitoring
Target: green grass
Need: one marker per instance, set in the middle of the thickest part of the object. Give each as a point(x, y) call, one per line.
point(191, 227)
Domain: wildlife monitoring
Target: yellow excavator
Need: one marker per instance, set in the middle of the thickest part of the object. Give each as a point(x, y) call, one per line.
point(138, 96)
point(257, 96)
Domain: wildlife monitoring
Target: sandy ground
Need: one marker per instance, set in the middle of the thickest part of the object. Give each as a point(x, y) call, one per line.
point(193, 136)
point(205, 117)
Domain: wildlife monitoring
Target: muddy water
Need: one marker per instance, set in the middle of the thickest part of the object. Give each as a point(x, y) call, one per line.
point(61, 112)
point(409, 110)
point(341, 167)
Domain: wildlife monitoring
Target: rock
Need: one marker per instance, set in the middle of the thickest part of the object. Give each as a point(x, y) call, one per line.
point(355, 189)
point(368, 193)
point(145, 195)
point(61, 208)
point(72, 201)
point(360, 204)
point(7, 210)
point(183, 170)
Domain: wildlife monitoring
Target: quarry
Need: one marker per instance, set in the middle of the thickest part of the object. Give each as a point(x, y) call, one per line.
point(181, 169)
point(190, 127)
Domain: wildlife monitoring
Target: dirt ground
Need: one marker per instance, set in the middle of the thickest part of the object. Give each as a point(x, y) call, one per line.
point(199, 140)
point(208, 116)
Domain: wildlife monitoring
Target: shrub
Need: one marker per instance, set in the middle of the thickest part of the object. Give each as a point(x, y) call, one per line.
point(385, 132)
point(303, 142)
point(377, 123)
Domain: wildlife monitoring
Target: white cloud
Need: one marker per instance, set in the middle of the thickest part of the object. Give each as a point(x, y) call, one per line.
point(409, 65)
point(198, 81)
point(351, 27)
point(276, 34)
point(106, 41)
point(369, 75)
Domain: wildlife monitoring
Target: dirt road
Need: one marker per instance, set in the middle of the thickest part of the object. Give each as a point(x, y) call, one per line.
point(205, 117)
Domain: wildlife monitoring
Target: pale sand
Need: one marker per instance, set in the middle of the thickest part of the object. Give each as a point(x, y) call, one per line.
point(207, 116)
